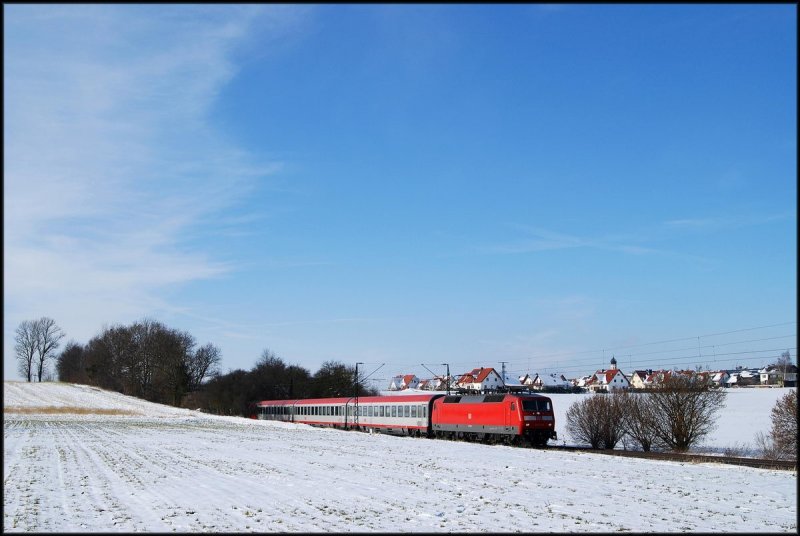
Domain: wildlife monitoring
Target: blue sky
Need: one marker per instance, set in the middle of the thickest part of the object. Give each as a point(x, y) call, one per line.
point(545, 185)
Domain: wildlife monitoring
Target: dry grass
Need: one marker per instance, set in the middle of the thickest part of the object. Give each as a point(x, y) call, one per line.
point(59, 410)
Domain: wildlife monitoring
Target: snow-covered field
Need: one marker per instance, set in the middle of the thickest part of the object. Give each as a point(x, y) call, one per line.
point(80, 459)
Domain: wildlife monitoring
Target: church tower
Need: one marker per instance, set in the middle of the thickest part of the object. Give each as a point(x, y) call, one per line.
point(613, 363)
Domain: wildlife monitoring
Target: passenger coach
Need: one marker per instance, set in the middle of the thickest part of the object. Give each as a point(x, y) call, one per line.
point(401, 415)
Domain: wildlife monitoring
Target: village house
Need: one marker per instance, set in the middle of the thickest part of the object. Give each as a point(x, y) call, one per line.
point(582, 382)
point(403, 381)
point(719, 378)
point(743, 378)
point(777, 375)
point(515, 385)
point(655, 377)
point(553, 381)
point(608, 380)
point(639, 377)
point(480, 380)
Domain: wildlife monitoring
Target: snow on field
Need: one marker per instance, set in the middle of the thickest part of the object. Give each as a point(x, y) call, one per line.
point(147, 467)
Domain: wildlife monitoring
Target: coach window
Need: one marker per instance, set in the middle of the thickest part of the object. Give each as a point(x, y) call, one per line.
point(406, 411)
point(394, 411)
point(370, 412)
point(382, 411)
point(414, 412)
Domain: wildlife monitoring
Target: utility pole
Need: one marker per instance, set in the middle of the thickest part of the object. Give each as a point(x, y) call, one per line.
point(447, 378)
point(355, 396)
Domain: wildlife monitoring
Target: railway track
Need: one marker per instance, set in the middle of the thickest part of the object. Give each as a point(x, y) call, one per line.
point(785, 465)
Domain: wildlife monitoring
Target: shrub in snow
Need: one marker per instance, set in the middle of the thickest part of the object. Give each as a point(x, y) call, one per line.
point(638, 419)
point(781, 443)
point(684, 409)
point(597, 420)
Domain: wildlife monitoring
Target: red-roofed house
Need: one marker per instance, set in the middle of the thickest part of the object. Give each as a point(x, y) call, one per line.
point(403, 381)
point(608, 380)
point(480, 380)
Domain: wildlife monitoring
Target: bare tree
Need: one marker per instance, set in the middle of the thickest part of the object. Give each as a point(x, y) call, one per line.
point(70, 364)
point(48, 337)
point(25, 339)
point(202, 364)
point(782, 364)
point(171, 375)
point(584, 421)
point(596, 420)
point(781, 443)
point(638, 419)
point(684, 407)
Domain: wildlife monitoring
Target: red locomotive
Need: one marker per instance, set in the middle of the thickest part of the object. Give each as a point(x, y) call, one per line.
point(508, 418)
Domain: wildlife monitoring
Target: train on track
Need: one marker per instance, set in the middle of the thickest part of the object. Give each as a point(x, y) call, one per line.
point(493, 418)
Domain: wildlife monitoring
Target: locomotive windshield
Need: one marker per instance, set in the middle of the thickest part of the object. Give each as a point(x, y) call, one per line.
point(536, 405)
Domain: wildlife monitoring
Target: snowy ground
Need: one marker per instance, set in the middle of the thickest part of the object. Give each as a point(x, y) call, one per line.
point(121, 464)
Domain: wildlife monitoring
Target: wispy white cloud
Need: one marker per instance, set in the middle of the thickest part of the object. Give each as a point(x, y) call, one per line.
point(717, 223)
point(110, 159)
point(539, 239)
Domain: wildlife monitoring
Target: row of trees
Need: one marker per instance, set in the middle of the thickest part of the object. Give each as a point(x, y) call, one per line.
point(674, 416)
point(149, 360)
point(273, 379)
point(35, 345)
point(145, 359)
